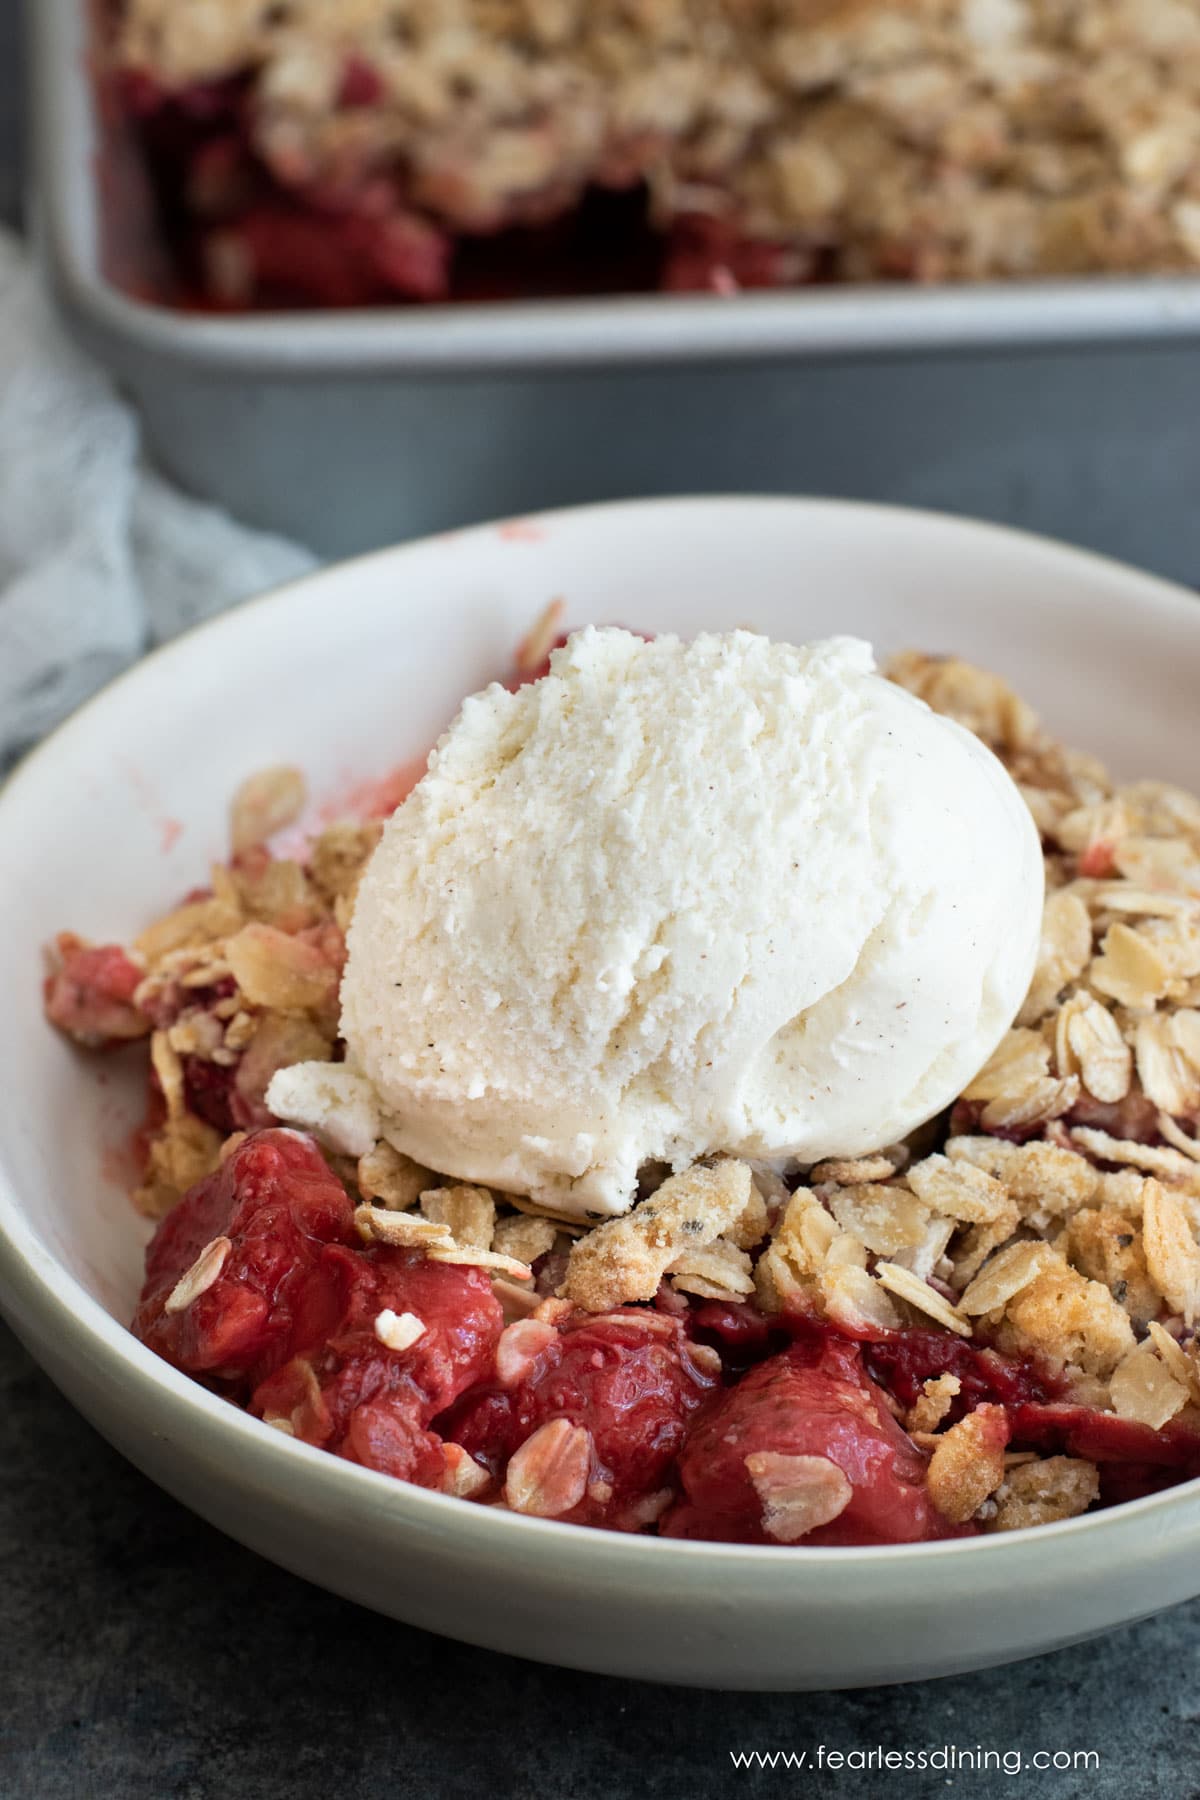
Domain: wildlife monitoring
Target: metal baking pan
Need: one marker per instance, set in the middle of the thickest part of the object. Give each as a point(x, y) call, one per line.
point(1065, 406)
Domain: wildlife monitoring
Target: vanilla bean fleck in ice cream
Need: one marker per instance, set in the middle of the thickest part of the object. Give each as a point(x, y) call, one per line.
point(674, 899)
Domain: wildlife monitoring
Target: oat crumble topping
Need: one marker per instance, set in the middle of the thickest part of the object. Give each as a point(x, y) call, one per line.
point(932, 140)
point(1056, 1217)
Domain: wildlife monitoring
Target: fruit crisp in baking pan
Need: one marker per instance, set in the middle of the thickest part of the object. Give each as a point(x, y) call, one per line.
point(988, 1326)
point(306, 153)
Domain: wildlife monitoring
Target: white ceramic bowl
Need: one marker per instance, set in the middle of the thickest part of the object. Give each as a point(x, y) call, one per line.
point(347, 673)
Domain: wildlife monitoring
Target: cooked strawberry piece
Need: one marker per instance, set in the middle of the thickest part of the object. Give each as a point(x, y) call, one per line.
point(813, 1401)
point(461, 1318)
point(278, 1205)
point(361, 83)
point(486, 1424)
point(354, 1394)
point(386, 1434)
point(737, 1331)
point(1135, 1117)
point(326, 258)
point(214, 1093)
point(208, 1087)
point(266, 1167)
point(90, 994)
point(202, 1215)
point(905, 1360)
point(627, 1379)
point(1104, 1438)
point(364, 1410)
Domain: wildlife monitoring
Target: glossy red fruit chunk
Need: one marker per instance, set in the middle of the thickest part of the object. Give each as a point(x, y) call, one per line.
point(1103, 1438)
point(386, 1434)
point(813, 1400)
point(209, 1090)
point(372, 1403)
point(904, 1361)
point(277, 1206)
point(361, 83)
point(625, 1377)
point(461, 1316)
point(737, 1331)
point(90, 994)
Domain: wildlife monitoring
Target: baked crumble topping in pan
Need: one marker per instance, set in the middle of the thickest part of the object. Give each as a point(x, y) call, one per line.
point(775, 141)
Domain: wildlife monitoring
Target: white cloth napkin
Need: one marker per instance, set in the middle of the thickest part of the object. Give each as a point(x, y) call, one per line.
point(99, 557)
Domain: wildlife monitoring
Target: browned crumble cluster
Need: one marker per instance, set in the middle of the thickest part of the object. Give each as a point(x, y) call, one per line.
point(919, 139)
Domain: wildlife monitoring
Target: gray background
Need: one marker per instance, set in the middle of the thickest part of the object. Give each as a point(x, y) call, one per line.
point(144, 1655)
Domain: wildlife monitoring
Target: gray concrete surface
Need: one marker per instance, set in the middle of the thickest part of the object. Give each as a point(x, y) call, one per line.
point(144, 1656)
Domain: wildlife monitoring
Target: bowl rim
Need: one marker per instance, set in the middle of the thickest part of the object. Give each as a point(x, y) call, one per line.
point(47, 1288)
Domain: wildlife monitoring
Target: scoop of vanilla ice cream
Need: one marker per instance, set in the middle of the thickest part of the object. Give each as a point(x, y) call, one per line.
point(677, 898)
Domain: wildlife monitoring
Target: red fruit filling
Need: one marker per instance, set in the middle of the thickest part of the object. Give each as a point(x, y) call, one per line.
point(626, 1378)
point(208, 1087)
point(739, 1333)
point(277, 1206)
point(361, 85)
point(1134, 1117)
point(710, 255)
point(240, 234)
point(1103, 1438)
point(372, 1404)
point(166, 1001)
point(903, 1362)
point(813, 1400)
point(333, 258)
point(90, 994)
point(257, 1284)
point(229, 1096)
